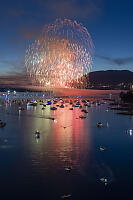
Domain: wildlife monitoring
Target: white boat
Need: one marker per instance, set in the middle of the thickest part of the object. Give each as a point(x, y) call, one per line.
point(32, 103)
point(37, 134)
point(102, 149)
point(99, 124)
point(20, 108)
point(104, 180)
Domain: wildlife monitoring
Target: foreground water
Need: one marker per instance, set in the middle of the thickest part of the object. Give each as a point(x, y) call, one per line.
point(66, 159)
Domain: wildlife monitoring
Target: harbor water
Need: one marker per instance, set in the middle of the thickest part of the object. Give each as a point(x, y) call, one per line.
point(65, 161)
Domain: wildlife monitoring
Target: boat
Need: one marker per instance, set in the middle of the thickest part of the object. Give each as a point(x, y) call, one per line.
point(75, 105)
point(70, 108)
point(2, 124)
point(32, 103)
point(104, 180)
point(83, 101)
point(102, 149)
point(62, 106)
point(68, 169)
point(66, 196)
point(99, 124)
point(85, 111)
point(53, 108)
point(20, 108)
point(82, 117)
point(52, 118)
point(37, 134)
point(42, 104)
point(71, 102)
point(85, 104)
point(49, 103)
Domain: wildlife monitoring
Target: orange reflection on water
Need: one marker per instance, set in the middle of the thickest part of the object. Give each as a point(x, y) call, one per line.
point(64, 142)
point(71, 139)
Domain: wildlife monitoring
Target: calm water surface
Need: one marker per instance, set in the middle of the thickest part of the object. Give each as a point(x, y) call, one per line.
point(66, 159)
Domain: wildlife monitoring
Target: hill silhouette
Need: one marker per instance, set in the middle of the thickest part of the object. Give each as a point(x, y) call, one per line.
point(110, 77)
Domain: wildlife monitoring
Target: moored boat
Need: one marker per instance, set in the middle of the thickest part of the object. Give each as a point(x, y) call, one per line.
point(99, 124)
point(2, 124)
point(32, 103)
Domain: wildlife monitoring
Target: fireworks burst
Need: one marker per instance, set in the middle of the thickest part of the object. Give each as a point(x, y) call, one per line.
point(61, 55)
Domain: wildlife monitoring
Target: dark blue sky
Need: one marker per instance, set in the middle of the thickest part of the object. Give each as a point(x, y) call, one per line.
point(110, 23)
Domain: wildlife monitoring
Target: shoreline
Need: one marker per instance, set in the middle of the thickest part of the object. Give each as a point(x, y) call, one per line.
point(72, 91)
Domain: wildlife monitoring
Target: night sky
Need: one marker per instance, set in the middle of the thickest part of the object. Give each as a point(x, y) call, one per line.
point(109, 22)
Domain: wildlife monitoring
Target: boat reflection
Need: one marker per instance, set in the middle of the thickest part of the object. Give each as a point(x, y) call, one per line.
point(63, 144)
point(69, 134)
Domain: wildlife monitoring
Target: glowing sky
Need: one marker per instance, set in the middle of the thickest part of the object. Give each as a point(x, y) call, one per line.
point(108, 22)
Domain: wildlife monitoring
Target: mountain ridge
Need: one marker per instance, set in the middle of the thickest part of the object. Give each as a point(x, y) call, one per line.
point(111, 77)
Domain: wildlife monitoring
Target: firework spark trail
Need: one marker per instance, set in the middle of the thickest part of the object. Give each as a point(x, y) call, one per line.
point(61, 55)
